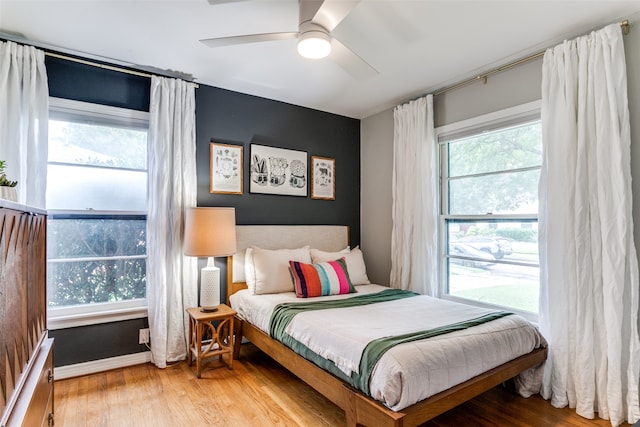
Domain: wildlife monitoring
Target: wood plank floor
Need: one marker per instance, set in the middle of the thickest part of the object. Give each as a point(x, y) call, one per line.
point(258, 392)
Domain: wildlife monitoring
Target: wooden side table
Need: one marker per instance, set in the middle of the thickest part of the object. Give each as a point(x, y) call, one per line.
point(221, 336)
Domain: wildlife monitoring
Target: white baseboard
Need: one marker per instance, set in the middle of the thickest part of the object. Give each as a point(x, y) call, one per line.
point(101, 365)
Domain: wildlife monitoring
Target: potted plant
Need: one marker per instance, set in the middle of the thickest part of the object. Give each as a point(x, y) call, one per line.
point(7, 187)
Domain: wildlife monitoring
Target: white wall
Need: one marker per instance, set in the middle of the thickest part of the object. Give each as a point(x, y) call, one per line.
point(516, 86)
point(376, 153)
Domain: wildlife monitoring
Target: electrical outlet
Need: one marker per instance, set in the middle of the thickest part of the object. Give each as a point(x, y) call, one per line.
point(144, 336)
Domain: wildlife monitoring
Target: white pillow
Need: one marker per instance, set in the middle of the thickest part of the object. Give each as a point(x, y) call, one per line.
point(355, 263)
point(271, 269)
point(249, 270)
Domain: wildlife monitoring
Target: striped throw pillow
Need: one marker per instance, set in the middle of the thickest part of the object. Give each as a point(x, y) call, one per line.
point(321, 279)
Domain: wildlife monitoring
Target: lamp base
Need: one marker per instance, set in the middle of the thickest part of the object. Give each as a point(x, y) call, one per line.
point(209, 287)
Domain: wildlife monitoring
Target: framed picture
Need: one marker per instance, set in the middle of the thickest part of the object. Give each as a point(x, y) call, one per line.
point(225, 168)
point(323, 178)
point(278, 171)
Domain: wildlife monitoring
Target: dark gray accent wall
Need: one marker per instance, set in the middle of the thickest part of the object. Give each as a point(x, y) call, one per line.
point(80, 82)
point(233, 118)
point(95, 342)
point(227, 117)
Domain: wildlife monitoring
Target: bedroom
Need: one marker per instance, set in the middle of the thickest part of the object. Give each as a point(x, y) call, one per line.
point(361, 147)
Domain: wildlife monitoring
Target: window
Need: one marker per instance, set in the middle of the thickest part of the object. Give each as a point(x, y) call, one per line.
point(489, 173)
point(96, 199)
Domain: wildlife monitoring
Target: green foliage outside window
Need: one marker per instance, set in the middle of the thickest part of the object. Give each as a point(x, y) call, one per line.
point(518, 234)
point(487, 175)
point(514, 233)
point(98, 145)
point(90, 260)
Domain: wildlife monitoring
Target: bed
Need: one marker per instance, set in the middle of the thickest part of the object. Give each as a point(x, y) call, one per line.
point(394, 394)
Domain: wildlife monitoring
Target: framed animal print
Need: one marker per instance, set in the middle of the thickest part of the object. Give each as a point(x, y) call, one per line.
point(323, 178)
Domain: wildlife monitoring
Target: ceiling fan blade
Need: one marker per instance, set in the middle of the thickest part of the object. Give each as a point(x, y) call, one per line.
point(332, 12)
point(351, 62)
point(250, 38)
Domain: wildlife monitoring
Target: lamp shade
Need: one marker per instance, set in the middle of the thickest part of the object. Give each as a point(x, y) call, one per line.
point(210, 232)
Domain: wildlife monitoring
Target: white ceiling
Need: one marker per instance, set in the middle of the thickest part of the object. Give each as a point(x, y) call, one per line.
point(417, 46)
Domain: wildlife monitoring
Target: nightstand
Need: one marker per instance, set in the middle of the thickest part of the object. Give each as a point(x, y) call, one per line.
point(221, 342)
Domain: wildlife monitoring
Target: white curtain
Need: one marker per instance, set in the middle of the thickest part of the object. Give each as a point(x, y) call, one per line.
point(171, 276)
point(589, 271)
point(415, 188)
point(24, 120)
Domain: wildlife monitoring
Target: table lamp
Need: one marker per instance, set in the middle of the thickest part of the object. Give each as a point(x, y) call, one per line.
point(210, 232)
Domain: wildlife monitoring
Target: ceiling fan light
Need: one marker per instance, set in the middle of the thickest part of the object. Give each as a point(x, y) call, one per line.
point(314, 45)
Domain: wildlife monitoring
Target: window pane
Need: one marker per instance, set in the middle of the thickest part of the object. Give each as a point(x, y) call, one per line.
point(71, 187)
point(510, 193)
point(504, 149)
point(86, 282)
point(97, 163)
point(511, 240)
point(490, 199)
point(90, 238)
point(480, 256)
point(98, 145)
point(88, 277)
point(505, 285)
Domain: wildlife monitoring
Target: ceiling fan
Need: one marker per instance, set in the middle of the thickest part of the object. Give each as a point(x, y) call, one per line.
point(317, 19)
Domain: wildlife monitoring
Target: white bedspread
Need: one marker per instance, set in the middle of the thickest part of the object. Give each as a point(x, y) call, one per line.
point(343, 343)
point(408, 372)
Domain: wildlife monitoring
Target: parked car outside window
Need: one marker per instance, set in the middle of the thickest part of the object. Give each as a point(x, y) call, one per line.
point(498, 247)
point(482, 259)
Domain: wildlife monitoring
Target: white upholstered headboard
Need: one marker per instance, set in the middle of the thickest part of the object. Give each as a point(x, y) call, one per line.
point(330, 238)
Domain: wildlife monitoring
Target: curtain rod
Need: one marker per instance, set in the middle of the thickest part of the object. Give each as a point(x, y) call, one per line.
point(104, 66)
point(95, 64)
point(625, 30)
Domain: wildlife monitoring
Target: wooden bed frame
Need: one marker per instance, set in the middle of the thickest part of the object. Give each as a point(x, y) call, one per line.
point(360, 409)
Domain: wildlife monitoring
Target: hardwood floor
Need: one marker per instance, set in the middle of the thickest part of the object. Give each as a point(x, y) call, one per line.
point(258, 392)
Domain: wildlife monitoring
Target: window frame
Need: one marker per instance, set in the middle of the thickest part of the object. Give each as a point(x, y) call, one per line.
point(492, 121)
point(105, 312)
